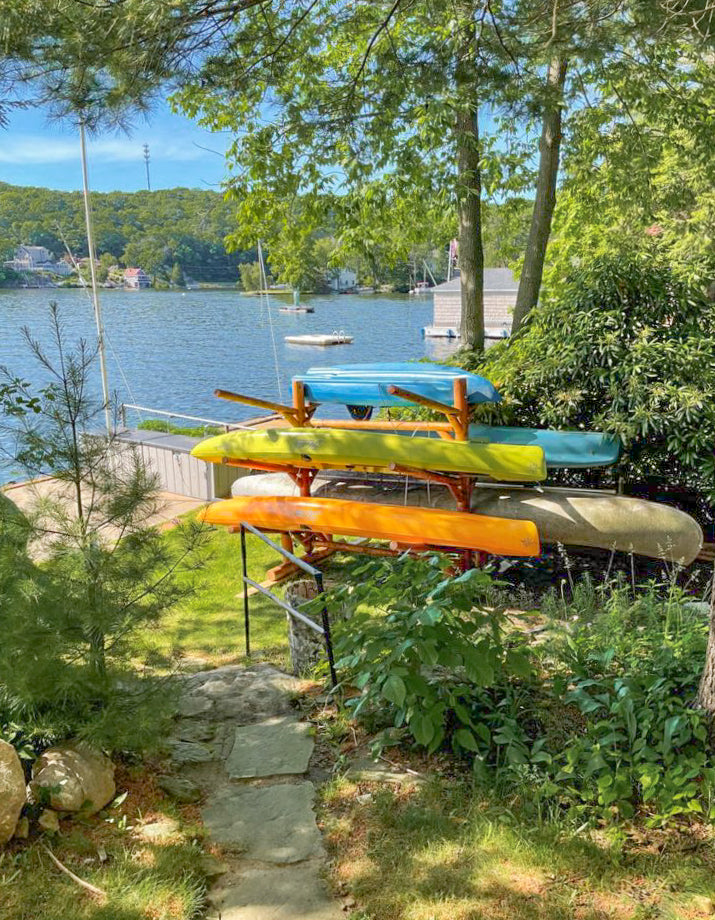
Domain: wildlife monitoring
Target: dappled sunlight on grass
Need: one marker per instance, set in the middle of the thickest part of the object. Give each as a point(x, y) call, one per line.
point(144, 879)
point(209, 624)
point(437, 852)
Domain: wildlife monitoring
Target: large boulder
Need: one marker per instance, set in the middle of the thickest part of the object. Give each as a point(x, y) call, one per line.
point(12, 790)
point(73, 777)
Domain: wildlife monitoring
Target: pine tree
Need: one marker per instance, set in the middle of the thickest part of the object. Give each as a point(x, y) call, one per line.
point(70, 625)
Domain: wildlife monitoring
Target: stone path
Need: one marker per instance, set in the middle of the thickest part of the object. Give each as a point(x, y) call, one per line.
point(239, 743)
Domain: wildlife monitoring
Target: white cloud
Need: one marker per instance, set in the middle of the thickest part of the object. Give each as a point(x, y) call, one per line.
point(26, 149)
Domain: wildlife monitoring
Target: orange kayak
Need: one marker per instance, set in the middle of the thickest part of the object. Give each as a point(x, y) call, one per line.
point(406, 526)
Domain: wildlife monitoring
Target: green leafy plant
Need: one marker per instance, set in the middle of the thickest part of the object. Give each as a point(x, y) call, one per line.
point(594, 720)
point(429, 656)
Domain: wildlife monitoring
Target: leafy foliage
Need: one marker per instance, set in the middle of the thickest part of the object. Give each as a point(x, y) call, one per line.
point(623, 347)
point(438, 658)
point(154, 230)
point(595, 720)
point(637, 166)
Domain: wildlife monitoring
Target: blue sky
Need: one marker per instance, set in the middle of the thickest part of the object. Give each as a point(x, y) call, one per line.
point(37, 151)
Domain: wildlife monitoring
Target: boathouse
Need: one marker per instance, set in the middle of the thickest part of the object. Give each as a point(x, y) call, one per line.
point(499, 301)
point(136, 278)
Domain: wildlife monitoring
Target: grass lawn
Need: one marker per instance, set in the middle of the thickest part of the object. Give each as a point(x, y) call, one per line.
point(209, 624)
point(439, 852)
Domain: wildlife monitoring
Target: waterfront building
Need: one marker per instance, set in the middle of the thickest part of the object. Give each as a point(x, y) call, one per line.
point(38, 259)
point(342, 279)
point(500, 291)
point(136, 278)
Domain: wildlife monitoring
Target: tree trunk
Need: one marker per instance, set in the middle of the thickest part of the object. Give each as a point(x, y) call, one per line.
point(469, 190)
point(540, 230)
point(706, 691)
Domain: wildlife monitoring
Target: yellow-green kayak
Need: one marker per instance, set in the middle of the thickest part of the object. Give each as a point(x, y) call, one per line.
point(324, 448)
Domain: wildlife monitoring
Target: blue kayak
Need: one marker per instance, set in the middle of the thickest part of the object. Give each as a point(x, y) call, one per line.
point(367, 384)
point(561, 448)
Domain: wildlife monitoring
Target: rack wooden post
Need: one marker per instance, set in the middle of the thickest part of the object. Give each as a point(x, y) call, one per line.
point(289, 413)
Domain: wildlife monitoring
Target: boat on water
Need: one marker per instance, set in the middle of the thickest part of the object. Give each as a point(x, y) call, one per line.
point(414, 527)
point(300, 308)
point(570, 517)
point(327, 448)
point(421, 287)
point(367, 384)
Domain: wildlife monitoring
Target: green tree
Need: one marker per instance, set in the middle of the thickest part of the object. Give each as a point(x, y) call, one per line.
point(69, 627)
point(177, 275)
point(251, 276)
point(106, 261)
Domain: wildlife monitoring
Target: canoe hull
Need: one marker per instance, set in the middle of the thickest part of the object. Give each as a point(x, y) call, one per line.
point(404, 526)
point(572, 517)
point(315, 448)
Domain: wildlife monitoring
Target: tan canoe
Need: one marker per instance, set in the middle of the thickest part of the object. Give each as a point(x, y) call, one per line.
point(573, 517)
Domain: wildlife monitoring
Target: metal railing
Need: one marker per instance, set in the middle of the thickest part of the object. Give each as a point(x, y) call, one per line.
point(324, 631)
point(214, 423)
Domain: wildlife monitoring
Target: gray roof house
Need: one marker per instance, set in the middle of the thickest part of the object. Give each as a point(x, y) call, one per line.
point(500, 290)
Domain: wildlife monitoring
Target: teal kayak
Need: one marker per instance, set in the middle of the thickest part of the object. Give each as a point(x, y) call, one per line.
point(573, 449)
point(367, 384)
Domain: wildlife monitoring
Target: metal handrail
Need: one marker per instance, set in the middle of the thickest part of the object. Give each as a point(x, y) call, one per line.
point(291, 611)
point(228, 426)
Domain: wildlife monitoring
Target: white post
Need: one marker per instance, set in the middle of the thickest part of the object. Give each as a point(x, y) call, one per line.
point(95, 291)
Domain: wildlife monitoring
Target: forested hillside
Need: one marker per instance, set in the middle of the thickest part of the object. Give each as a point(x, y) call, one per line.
point(155, 230)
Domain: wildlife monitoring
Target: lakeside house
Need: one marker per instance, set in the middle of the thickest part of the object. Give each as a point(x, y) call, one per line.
point(500, 289)
point(38, 259)
point(342, 279)
point(136, 278)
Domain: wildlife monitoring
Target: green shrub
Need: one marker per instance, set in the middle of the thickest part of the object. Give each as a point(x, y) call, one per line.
point(625, 348)
point(595, 719)
point(436, 660)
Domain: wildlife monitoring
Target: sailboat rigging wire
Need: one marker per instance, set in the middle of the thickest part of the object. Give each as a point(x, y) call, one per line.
point(93, 274)
point(264, 287)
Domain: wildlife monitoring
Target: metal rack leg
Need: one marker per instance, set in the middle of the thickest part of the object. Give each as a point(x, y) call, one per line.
point(246, 615)
point(326, 631)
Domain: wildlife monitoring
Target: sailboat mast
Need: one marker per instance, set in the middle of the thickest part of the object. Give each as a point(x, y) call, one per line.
point(93, 276)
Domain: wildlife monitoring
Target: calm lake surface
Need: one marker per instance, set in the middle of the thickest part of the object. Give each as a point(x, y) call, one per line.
point(170, 350)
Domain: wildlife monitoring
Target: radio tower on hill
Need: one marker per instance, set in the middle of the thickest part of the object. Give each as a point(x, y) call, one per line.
point(146, 163)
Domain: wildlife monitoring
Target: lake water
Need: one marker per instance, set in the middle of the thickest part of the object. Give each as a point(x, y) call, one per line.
point(170, 350)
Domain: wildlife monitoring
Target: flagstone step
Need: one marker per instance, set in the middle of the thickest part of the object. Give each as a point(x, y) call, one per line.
point(277, 746)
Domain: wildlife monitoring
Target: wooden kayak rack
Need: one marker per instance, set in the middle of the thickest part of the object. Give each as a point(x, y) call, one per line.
point(300, 414)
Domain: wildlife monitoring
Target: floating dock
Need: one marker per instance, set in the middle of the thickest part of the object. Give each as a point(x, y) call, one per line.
point(336, 338)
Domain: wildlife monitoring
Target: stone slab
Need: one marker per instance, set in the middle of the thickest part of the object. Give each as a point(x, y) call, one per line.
point(273, 824)
point(289, 893)
point(243, 695)
point(190, 752)
point(271, 748)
